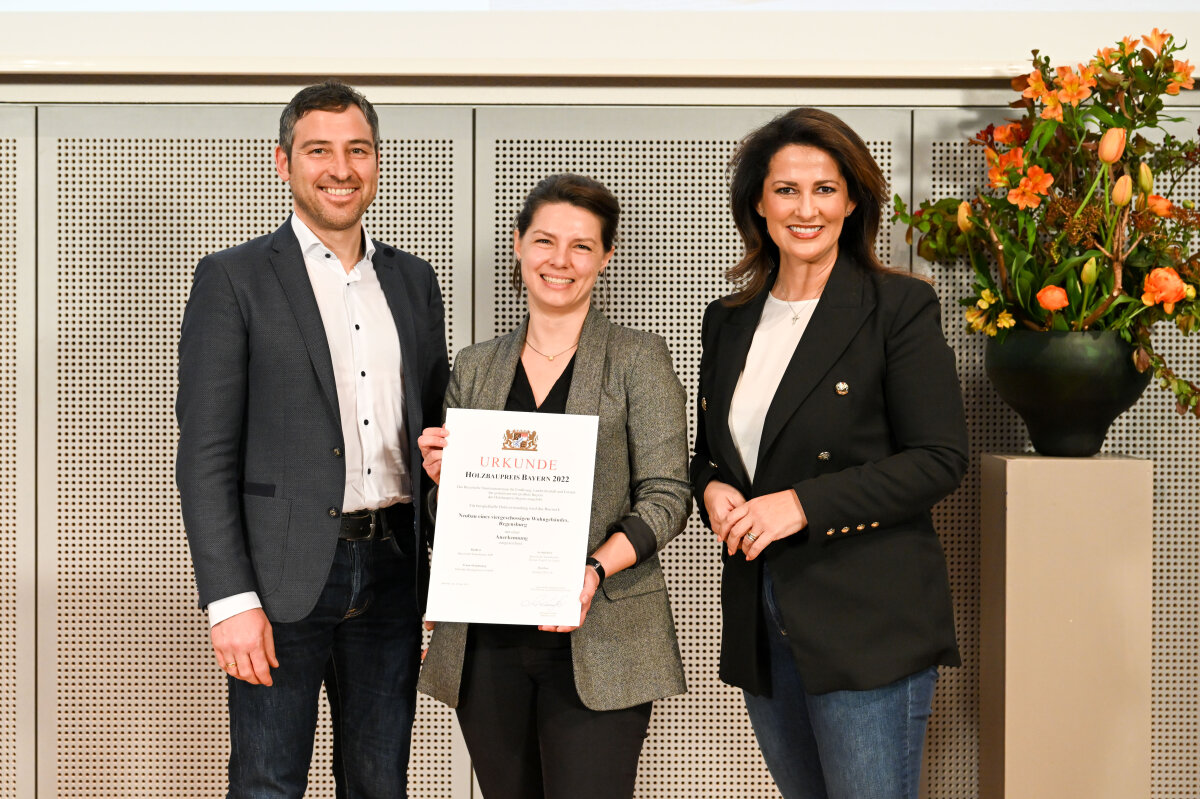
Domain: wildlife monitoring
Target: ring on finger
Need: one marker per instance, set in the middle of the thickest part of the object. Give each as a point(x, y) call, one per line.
point(751, 537)
point(230, 665)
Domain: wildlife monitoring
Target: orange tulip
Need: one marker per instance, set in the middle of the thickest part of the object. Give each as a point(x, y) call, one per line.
point(1122, 192)
point(1112, 145)
point(1163, 285)
point(1052, 298)
point(1160, 206)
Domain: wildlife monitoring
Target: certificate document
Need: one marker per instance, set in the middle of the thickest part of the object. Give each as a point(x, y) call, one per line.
point(514, 508)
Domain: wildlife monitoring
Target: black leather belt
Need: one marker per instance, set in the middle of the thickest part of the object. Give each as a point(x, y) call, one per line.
point(366, 525)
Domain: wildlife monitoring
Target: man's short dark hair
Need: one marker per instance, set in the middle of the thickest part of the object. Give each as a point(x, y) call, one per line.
point(332, 95)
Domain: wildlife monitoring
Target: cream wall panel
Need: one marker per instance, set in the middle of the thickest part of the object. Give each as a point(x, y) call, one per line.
point(18, 664)
point(130, 701)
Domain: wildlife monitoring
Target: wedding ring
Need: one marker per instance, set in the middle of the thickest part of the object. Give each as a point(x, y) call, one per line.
point(230, 665)
point(751, 537)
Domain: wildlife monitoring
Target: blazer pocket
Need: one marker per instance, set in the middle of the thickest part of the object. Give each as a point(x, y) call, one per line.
point(644, 579)
point(266, 520)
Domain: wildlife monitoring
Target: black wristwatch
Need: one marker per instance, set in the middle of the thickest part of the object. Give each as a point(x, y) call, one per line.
point(599, 567)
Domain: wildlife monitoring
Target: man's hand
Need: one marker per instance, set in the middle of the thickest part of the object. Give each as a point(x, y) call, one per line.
point(245, 647)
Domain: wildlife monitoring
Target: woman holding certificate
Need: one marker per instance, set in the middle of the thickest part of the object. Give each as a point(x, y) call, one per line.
point(830, 421)
point(561, 712)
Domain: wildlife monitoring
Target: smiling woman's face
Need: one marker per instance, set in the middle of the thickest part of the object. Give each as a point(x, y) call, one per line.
point(561, 254)
point(804, 202)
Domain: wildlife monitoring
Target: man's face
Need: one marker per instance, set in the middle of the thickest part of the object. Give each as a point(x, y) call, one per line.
point(333, 169)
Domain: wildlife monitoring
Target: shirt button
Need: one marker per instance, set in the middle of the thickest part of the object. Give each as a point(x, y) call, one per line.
point(366, 421)
point(368, 471)
point(333, 513)
point(364, 374)
point(356, 327)
point(337, 452)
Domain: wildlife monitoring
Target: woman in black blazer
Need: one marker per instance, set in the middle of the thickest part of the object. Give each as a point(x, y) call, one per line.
point(830, 421)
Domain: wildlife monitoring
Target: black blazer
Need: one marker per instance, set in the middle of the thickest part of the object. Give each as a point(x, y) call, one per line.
point(260, 466)
point(867, 427)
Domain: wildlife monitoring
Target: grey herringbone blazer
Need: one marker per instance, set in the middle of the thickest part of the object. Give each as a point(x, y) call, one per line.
point(626, 652)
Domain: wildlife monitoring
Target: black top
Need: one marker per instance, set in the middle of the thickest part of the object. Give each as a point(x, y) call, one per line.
point(520, 398)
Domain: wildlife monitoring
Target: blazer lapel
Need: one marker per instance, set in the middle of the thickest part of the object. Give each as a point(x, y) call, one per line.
point(288, 263)
point(844, 306)
point(733, 344)
point(398, 293)
point(497, 382)
point(584, 396)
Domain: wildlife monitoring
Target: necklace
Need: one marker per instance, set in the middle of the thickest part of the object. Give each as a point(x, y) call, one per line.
point(555, 355)
point(792, 308)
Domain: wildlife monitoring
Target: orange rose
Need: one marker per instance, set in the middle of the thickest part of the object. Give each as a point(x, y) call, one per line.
point(1052, 298)
point(1164, 285)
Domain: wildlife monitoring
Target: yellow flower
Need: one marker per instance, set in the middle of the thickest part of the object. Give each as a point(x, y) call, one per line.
point(1005, 320)
point(964, 217)
point(986, 298)
point(976, 318)
point(991, 329)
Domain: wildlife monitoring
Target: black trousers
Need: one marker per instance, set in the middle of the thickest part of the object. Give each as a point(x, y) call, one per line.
point(531, 738)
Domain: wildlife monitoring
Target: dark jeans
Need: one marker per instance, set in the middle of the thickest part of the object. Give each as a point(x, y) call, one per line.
point(363, 641)
point(842, 744)
point(531, 738)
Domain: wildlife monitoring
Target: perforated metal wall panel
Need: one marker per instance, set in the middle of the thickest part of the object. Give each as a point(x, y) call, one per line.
point(946, 166)
point(667, 168)
point(17, 462)
point(130, 701)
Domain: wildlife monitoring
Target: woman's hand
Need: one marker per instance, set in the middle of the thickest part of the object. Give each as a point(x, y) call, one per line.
point(591, 581)
point(431, 442)
point(755, 524)
point(719, 499)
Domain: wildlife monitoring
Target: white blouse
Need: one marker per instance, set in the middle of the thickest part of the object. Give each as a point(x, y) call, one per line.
point(775, 339)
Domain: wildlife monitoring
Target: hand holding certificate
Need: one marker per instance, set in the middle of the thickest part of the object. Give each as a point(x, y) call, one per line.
point(514, 508)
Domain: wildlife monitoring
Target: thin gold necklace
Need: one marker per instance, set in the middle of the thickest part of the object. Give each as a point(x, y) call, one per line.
point(555, 355)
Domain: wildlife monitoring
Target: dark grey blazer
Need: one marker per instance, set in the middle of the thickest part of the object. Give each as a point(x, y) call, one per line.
point(626, 652)
point(260, 467)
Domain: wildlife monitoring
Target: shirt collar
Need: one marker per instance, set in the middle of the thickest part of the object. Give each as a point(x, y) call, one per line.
point(309, 241)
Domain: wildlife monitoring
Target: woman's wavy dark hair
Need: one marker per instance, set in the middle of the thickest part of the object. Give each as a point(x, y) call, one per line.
point(748, 170)
point(579, 191)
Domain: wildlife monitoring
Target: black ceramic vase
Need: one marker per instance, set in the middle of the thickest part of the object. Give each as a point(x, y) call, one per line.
point(1067, 387)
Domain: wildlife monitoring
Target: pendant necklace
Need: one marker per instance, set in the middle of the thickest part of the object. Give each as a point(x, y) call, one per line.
point(555, 355)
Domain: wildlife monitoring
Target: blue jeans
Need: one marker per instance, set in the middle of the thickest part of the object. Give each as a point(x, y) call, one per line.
point(843, 744)
point(363, 641)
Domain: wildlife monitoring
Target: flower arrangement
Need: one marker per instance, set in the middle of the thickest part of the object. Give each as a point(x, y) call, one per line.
point(1076, 228)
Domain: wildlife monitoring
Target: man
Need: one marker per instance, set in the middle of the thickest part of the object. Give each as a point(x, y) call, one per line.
point(309, 361)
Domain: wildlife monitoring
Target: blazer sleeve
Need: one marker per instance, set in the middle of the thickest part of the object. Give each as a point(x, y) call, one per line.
point(210, 408)
point(925, 421)
point(660, 495)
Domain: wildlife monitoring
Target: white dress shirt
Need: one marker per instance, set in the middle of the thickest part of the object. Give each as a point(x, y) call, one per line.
point(365, 351)
point(775, 340)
